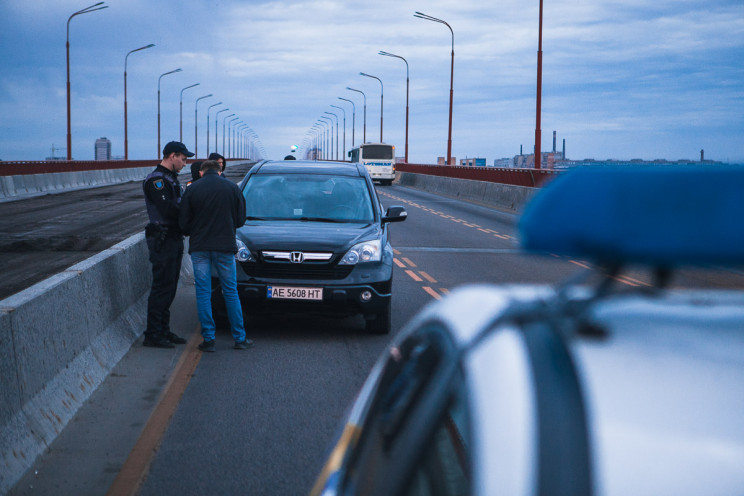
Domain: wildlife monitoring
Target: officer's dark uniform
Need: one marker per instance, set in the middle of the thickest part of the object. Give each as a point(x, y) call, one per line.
point(165, 242)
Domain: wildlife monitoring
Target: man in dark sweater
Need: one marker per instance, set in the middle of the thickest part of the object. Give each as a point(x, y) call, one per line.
point(211, 210)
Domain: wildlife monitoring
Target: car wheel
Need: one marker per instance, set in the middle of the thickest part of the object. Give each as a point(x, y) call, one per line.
point(380, 323)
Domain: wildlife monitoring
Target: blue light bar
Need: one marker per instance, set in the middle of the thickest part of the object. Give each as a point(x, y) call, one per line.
point(662, 216)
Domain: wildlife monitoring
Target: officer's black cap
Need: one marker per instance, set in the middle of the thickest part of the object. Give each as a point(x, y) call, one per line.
point(176, 147)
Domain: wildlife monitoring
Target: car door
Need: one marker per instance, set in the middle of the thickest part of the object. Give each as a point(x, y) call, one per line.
point(414, 439)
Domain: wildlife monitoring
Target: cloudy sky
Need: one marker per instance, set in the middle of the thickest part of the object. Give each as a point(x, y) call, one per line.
point(621, 79)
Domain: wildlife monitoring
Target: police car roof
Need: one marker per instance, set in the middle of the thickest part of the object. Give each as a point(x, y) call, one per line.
point(661, 216)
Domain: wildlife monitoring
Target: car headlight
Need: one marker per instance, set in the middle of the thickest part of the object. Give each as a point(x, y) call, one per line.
point(368, 251)
point(243, 254)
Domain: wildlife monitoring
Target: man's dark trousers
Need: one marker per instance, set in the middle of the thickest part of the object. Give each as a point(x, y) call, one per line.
point(166, 267)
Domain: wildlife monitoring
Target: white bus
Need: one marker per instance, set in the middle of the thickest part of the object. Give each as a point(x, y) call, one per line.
point(378, 158)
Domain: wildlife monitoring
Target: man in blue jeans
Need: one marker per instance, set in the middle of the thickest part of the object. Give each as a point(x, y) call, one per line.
point(212, 208)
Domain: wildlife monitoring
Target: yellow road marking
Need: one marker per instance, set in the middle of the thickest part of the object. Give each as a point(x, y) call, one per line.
point(399, 263)
point(408, 261)
point(414, 276)
point(433, 293)
point(427, 277)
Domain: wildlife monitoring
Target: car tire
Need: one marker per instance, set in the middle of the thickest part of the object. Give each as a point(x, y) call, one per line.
point(380, 323)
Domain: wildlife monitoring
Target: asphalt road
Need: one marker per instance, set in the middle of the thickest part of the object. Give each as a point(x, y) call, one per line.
point(260, 421)
point(42, 236)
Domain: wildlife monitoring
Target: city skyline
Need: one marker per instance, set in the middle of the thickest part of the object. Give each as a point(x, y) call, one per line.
point(620, 81)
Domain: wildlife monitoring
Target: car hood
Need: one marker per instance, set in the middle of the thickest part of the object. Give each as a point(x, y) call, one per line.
point(305, 236)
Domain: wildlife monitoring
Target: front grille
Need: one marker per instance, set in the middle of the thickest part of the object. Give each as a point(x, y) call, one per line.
point(287, 270)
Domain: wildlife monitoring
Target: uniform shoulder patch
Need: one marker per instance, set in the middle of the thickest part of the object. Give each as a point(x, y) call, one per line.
point(158, 183)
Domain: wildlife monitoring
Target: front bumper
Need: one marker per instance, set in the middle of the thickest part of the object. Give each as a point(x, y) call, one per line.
point(366, 290)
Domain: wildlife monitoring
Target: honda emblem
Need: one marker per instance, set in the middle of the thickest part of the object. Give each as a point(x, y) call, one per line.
point(296, 257)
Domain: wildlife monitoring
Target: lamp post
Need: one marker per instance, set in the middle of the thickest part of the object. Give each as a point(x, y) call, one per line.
point(452, 77)
point(329, 123)
point(180, 113)
point(380, 80)
point(324, 139)
point(224, 122)
point(241, 140)
point(404, 60)
point(538, 131)
point(208, 109)
point(196, 131)
point(335, 117)
point(216, 127)
point(161, 77)
point(230, 143)
point(86, 10)
point(343, 149)
point(126, 137)
point(353, 117)
point(364, 136)
point(315, 129)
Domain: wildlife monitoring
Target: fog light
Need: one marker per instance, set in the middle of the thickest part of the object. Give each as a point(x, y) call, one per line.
point(365, 296)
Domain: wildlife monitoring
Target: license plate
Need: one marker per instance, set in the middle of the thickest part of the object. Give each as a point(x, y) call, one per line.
point(293, 293)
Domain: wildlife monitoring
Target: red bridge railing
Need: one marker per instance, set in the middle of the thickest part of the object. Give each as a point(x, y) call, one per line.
point(517, 177)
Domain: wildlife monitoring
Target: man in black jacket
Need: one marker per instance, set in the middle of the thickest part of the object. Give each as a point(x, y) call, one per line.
point(164, 242)
point(211, 210)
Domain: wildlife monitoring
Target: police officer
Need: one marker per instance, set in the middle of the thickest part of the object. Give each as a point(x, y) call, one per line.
point(165, 243)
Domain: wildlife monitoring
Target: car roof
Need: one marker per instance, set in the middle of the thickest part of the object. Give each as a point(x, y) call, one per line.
point(661, 216)
point(307, 167)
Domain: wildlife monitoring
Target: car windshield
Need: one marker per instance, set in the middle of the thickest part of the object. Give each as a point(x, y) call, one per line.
point(308, 198)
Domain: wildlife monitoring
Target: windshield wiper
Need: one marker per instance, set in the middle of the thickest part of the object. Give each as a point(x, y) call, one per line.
point(320, 219)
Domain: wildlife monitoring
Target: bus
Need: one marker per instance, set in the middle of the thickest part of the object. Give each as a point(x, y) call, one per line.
point(378, 158)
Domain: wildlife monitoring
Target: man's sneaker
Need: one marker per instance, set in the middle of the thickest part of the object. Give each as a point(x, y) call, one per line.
point(175, 338)
point(244, 345)
point(207, 346)
point(158, 342)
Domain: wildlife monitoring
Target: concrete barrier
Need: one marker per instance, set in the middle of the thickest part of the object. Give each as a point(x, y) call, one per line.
point(30, 185)
point(504, 196)
point(59, 339)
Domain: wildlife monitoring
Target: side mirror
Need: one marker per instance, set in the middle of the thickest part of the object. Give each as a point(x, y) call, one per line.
point(396, 213)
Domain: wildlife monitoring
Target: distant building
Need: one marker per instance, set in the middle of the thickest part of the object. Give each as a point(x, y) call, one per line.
point(103, 149)
point(503, 163)
point(473, 162)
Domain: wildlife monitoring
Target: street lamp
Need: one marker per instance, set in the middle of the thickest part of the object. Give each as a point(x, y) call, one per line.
point(353, 117)
point(161, 77)
point(216, 127)
point(452, 77)
point(196, 132)
point(380, 80)
point(343, 149)
point(329, 122)
point(208, 109)
point(404, 60)
point(126, 140)
point(180, 113)
point(364, 136)
point(335, 117)
point(224, 122)
point(86, 10)
point(230, 142)
point(538, 131)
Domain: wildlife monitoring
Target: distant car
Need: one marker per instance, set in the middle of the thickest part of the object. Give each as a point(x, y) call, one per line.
point(578, 390)
point(315, 241)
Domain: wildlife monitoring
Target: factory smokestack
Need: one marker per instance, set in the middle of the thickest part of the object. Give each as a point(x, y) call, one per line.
point(553, 142)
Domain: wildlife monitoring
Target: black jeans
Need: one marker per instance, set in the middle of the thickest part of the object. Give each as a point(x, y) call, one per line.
point(165, 257)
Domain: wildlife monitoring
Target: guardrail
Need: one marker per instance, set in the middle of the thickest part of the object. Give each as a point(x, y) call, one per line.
point(48, 167)
point(533, 178)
